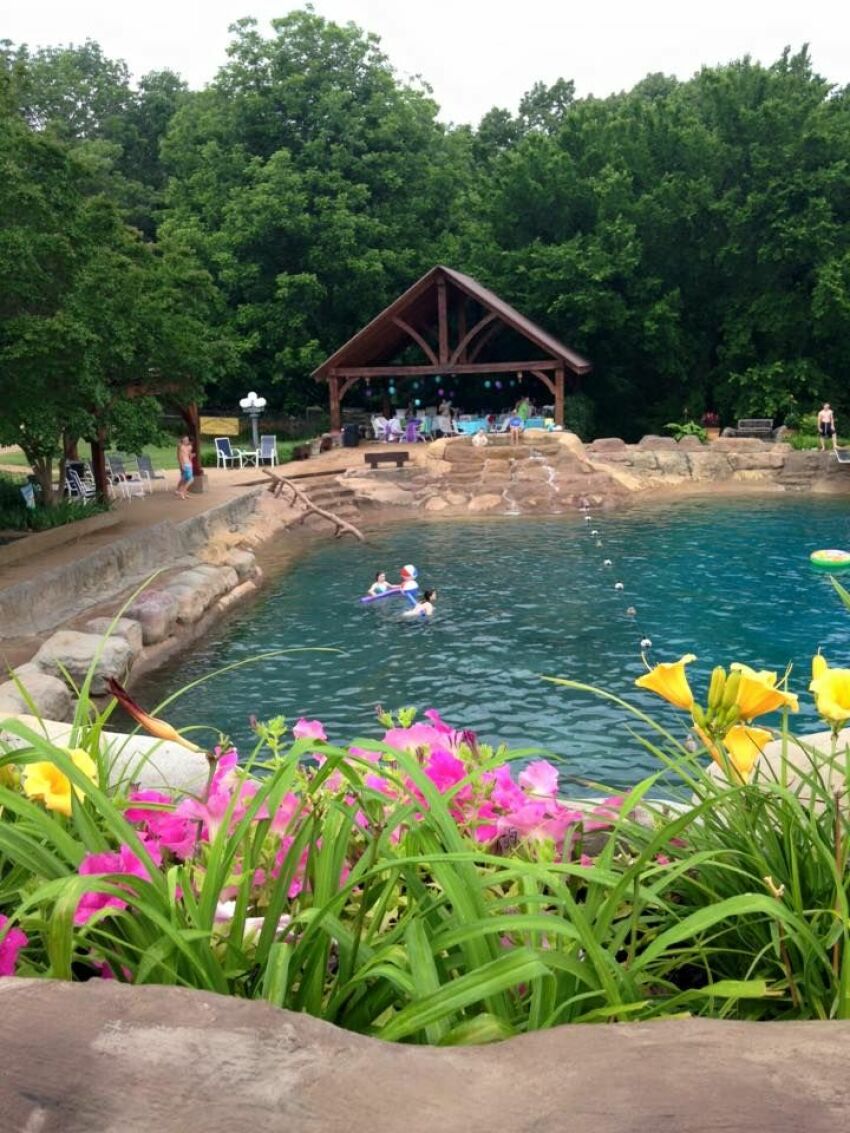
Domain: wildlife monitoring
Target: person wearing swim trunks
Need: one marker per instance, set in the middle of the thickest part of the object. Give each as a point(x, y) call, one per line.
point(185, 456)
point(826, 426)
point(516, 425)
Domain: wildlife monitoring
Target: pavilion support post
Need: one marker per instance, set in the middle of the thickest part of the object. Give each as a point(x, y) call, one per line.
point(443, 320)
point(461, 328)
point(559, 396)
point(336, 411)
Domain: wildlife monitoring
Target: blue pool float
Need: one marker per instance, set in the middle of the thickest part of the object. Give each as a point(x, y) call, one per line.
point(410, 595)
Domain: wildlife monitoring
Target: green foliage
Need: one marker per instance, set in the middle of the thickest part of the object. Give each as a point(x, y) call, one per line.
point(687, 429)
point(691, 238)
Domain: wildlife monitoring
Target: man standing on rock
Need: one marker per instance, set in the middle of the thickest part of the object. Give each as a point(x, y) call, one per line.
point(826, 426)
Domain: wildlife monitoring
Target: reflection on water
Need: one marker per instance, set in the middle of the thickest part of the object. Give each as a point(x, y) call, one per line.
point(518, 599)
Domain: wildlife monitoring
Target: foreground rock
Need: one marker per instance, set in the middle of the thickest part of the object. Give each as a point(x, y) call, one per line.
point(101, 1056)
point(75, 653)
point(49, 695)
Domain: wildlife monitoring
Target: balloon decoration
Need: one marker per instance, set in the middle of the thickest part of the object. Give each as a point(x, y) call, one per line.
point(441, 392)
point(487, 384)
point(498, 384)
point(391, 391)
point(417, 402)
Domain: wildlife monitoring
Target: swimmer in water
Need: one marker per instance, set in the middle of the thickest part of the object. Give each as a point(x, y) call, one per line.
point(424, 607)
point(380, 585)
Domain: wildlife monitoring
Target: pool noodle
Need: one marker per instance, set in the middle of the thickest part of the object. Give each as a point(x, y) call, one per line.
point(408, 594)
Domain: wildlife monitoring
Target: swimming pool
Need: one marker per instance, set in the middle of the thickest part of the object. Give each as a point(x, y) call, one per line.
point(727, 580)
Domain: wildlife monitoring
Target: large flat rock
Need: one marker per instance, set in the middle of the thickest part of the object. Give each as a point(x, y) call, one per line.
point(105, 1058)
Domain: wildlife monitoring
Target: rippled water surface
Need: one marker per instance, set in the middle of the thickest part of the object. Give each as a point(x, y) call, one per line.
point(521, 598)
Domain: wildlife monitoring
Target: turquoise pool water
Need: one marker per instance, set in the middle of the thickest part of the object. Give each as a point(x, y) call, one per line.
point(519, 598)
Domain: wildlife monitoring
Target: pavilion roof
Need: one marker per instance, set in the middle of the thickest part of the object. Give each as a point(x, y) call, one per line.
point(382, 339)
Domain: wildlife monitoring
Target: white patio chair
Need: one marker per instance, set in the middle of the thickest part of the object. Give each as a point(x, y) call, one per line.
point(267, 450)
point(146, 471)
point(225, 455)
point(75, 489)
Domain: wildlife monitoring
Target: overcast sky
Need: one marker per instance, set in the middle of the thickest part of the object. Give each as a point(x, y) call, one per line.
point(474, 53)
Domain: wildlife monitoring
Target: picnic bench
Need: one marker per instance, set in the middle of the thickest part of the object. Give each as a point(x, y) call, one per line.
point(755, 427)
point(396, 457)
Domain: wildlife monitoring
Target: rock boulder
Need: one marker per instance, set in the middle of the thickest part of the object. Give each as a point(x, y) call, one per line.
point(50, 695)
point(156, 613)
point(127, 628)
point(75, 653)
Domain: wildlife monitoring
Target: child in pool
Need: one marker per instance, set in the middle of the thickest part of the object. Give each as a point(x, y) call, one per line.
point(424, 607)
point(380, 585)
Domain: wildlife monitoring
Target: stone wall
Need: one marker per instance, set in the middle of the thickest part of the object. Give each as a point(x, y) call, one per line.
point(550, 473)
point(104, 1056)
point(52, 597)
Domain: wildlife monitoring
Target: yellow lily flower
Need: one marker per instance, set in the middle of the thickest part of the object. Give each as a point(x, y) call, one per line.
point(152, 724)
point(758, 694)
point(743, 746)
point(832, 695)
point(668, 680)
point(819, 666)
point(44, 780)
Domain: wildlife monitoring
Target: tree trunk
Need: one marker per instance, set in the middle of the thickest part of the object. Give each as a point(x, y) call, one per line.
point(42, 468)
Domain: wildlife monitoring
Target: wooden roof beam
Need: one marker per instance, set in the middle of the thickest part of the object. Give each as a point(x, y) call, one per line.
point(438, 370)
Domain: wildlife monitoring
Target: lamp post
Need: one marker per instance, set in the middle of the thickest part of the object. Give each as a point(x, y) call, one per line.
point(253, 406)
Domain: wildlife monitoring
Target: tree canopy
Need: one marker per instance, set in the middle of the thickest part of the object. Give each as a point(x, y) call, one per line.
point(690, 237)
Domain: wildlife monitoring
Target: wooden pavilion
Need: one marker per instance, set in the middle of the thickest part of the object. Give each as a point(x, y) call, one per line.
point(449, 324)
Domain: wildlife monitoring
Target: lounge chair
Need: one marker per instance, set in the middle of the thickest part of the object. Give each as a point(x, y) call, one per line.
point(146, 471)
point(127, 483)
point(268, 450)
point(379, 428)
point(75, 489)
point(225, 455)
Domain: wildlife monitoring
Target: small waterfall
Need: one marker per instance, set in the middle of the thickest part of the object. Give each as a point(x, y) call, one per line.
point(551, 474)
point(511, 506)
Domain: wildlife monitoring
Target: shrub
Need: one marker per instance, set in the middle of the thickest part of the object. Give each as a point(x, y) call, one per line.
point(687, 429)
point(427, 889)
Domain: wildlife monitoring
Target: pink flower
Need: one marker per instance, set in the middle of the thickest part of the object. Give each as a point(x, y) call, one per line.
point(505, 794)
point(662, 859)
point(606, 814)
point(11, 944)
point(168, 829)
point(360, 753)
point(416, 736)
point(211, 811)
point(444, 769)
point(309, 730)
point(97, 865)
point(438, 722)
point(586, 860)
point(540, 778)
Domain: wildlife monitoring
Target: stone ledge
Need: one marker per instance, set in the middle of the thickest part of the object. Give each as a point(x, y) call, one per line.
point(28, 546)
point(103, 1056)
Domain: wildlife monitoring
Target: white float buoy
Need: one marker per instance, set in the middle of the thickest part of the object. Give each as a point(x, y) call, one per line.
point(618, 586)
point(646, 643)
point(631, 611)
point(607, 562)
point(594, 532)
